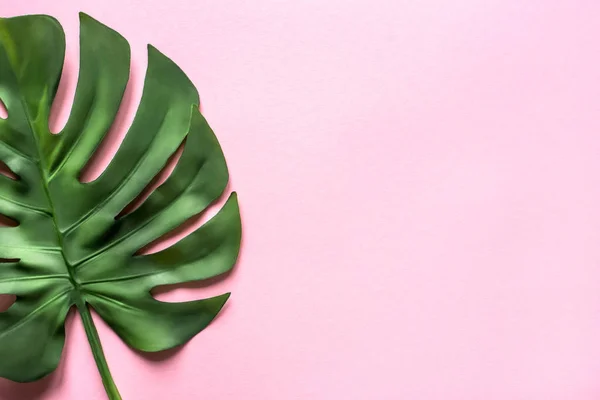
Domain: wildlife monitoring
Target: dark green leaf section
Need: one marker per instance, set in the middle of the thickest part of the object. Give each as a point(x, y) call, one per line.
point(70, 248)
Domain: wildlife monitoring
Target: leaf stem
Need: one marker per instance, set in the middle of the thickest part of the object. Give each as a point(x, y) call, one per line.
point(94, 339)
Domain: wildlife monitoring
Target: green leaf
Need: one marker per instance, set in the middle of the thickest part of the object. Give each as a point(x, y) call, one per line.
point(71, 246)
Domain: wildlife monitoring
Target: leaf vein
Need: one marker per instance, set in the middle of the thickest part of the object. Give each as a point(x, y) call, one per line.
point(116, 190)
point(33, 313)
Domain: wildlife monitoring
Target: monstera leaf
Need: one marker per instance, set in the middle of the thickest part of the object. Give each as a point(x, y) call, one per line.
point(73, 245)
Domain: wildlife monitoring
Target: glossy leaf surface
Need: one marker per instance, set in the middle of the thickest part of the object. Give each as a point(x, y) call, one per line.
point(72, 246)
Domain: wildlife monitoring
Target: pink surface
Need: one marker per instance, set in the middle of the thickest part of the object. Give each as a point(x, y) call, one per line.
point(420, 189)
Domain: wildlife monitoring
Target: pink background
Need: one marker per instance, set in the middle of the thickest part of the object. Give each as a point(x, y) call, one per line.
point(420, 189)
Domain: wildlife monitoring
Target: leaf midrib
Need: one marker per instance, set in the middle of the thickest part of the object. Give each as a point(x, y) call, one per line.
point(44, 178)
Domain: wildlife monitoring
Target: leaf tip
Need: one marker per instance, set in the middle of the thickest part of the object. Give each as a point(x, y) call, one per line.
point(221, 300)
point(152, 49)
point(85, 17)
point(233, 200)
